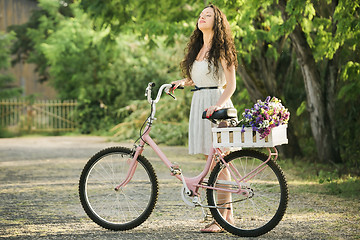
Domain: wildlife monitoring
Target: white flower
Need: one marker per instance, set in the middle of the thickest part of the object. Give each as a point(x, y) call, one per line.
point(264, 124)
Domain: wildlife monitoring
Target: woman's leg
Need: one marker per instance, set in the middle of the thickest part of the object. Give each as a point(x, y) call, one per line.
point(223, 197)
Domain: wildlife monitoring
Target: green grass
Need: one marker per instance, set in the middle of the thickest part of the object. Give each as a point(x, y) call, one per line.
point(320, 178)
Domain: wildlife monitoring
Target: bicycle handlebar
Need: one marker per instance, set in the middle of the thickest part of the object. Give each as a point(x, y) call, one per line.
point(164, 87)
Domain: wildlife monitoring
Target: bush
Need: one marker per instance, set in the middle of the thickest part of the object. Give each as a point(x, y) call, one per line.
point(171, 126)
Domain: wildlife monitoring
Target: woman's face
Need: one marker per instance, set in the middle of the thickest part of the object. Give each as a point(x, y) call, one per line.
point(206, 19)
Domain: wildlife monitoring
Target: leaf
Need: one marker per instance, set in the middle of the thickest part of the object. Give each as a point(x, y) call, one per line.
point(301, 108)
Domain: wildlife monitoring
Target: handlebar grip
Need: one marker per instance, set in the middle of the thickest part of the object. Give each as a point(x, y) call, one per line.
point(179, 87)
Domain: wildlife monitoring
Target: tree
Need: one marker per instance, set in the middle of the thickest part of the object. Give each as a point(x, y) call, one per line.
point(83, 60)
point(7, 90)
point(305, 52)
point(321, 90)
point(31, 34)
point(318, 32)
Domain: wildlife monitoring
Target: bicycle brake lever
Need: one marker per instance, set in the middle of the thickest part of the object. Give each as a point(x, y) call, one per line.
point(172, 96)
point(167, 91)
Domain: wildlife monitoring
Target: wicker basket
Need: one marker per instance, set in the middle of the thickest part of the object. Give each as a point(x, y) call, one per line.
point(233, 137)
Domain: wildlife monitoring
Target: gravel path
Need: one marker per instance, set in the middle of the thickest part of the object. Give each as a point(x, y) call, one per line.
point(39, 199)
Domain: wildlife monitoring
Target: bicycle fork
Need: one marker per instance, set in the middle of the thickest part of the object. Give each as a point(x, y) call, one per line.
point(132, 167)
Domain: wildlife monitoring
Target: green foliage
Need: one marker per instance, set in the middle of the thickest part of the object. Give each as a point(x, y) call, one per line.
point(320, 178)
point(347, 186)
point(171, 126)
point(332, 32)
point(31, 35)
point(301, 108)
point(103, 75)
point(335, 184)
point(105, 52)
point(145, 18)
point(351, 74)
point(5, 40)
point(6, 80)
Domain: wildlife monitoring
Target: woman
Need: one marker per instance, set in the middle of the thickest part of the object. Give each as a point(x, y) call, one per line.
point(209, 64)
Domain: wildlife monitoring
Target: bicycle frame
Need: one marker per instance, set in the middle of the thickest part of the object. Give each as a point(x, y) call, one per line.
point(194, 183)
point(191, 185)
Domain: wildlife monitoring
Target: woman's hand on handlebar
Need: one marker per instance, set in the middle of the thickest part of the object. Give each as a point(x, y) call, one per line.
point(178, 84)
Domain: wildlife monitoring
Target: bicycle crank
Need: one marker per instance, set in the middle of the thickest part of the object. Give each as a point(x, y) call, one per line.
point(195, 202)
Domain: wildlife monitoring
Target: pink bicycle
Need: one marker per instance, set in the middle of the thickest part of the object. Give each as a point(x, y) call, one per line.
point(118, 186)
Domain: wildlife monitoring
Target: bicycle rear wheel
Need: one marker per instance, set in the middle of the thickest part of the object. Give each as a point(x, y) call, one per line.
point(126, 208)
point(263, 201)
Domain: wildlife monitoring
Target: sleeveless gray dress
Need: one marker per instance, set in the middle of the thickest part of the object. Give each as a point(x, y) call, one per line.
point(200, 135)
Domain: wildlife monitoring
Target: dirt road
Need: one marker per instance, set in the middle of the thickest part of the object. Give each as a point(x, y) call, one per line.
point(39, 198)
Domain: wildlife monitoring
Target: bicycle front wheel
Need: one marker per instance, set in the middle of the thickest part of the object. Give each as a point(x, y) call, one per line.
point(262, 202)
point(126, 208)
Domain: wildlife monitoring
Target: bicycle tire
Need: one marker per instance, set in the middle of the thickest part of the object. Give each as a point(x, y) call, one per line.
point(117, 210)
point(264, 206)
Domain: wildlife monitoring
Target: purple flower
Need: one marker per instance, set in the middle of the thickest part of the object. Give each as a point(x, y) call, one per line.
point(270, 110)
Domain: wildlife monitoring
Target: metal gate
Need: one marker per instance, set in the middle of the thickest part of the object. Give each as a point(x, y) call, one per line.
point(38, 115)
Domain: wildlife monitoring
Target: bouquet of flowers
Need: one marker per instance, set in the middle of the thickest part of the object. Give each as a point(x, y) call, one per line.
point(264, 116)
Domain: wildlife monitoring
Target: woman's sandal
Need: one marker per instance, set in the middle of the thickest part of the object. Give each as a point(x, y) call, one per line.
point(207, 230)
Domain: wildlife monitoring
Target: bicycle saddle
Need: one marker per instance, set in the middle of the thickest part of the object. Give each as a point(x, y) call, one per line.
point(221, 114)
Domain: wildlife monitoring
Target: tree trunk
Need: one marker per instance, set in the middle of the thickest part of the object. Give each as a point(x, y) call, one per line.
point(316, 101)
point(331, 77)
point(257, 89)
point(254, 87)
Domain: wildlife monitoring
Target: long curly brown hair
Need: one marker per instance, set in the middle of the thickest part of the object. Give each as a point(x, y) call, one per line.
point(223, 46)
